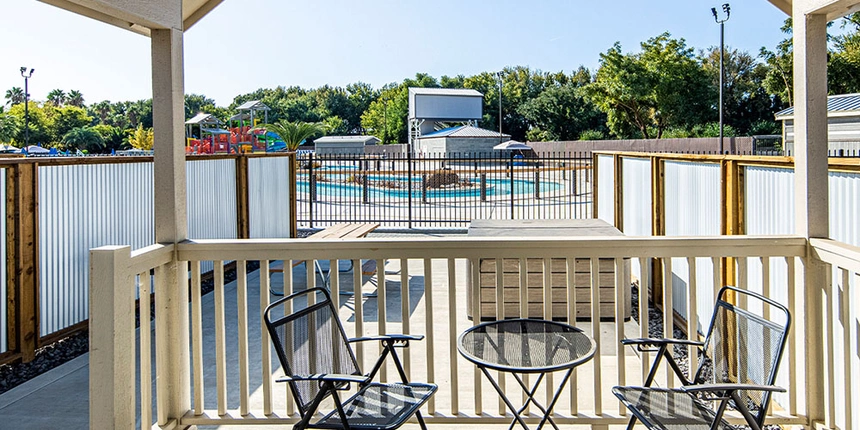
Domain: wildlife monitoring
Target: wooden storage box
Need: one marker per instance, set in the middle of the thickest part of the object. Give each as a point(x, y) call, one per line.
point(558, 282)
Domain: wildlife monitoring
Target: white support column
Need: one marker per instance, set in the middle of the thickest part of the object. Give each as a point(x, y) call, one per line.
point(811, 185)
point(112, 391)
point(168, 116)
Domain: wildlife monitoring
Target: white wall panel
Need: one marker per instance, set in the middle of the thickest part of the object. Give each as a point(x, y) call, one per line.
point(636, 196)
point(845, 207)
point(269, 197)
point(211, 198)
point(606, 188)
point(83, 207)
point(692, 200)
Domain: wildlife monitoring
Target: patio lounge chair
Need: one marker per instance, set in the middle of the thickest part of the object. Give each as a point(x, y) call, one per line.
point(317, 358)
point(737, 367)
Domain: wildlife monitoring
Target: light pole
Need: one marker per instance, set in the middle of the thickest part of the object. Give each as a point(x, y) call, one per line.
point(499, 75)
point(728, 10)
point(26, 77)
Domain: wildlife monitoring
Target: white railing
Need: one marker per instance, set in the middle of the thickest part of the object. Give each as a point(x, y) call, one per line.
point(840, 328)
point(226, 333)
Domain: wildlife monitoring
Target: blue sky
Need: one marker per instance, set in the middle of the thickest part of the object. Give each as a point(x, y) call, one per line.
point(248, 44)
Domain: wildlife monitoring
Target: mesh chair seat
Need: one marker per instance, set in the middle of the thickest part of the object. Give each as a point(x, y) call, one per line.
point(666, 409)
point(381, 406)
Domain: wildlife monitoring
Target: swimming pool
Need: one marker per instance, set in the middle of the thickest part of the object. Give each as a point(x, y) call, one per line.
point(495, 187)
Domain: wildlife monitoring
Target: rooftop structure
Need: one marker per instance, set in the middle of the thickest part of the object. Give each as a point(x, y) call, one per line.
point(843, 124)
point(344, 144)
point(430, 106)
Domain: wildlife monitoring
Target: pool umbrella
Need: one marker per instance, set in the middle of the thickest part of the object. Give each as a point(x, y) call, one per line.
point(512, 145)
point(7, 148)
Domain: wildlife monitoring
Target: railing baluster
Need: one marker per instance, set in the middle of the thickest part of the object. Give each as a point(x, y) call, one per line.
point(381, 313)
point(829, 371)
point(692, 316)
point(644, 309)
point(476, 319)
point(429, 329)
point(793, 338)
point(288, 309)
point(220, 342)
point(145, 352)
point(500, 315)
point(334, 282)
point(621, 303)
point(265, 342)
point(404, 311)
point(452, 336)
point(358, 298)
point(595, 334)
point(197, 337)
point(668, 313)
point(242, 314)
point(546, 265)
point(524, 312)
point(570, 271)
point(846, 322)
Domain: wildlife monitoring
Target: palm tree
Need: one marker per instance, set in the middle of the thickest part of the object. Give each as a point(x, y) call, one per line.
point(76, 98)
point(15, 96)
point(84, 138)
point(102, 109)
point(57, 97)
point(293, 133)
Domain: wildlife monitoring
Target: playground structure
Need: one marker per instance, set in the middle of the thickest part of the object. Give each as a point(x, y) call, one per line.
point(240, 136)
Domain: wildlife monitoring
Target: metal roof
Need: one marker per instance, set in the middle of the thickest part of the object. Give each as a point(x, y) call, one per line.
point(445, 91)
point(203, 118)
point(465, 131)
point(367, 140)
point(253, 105)
point(838, 103)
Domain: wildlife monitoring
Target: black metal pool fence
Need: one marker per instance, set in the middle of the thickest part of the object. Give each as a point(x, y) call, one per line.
point(441, 190)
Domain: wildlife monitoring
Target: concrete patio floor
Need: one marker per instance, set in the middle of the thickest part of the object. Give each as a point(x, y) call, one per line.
point(59, 398)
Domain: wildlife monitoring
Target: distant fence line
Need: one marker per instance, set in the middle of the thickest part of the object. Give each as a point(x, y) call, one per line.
point(57, 209)
point(441, 190)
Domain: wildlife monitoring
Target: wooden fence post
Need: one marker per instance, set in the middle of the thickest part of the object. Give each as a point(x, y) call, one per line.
point(617, 161)
point(658, 224)
point(112, 345)
point(731, 222)
point(243, 227)
point(22, 259)
point(294, 228)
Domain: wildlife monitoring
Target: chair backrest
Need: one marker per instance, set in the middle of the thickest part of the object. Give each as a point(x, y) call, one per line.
point(309, 339)
point(745, 347)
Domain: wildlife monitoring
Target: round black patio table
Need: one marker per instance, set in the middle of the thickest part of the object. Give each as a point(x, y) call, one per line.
point(521, 346)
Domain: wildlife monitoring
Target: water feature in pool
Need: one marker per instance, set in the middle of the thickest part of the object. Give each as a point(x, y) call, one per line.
point(495, 187)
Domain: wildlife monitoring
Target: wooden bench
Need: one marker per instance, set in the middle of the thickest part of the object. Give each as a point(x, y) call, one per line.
point(337, 231)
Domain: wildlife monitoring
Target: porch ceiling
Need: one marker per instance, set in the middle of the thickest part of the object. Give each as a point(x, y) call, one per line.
point(138, 16)
point(832, 8)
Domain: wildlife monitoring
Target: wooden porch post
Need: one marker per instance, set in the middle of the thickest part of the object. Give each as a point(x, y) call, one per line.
point(811, 192)
point(171, 287)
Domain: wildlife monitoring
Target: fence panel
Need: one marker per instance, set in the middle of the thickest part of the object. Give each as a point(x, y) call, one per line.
point(211, 198)
point(269, 197)
point(636, 196)
point(692, 199)
point(606, 188)
point(440, 190)
point(4, 316)
point(82, 207)
point(845, 207)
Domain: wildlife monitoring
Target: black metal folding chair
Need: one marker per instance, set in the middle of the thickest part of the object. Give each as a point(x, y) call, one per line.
point(737, 368)
point(319, 363)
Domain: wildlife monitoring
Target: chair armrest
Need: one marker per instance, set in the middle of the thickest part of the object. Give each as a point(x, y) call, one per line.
point(660, 342)
point(730, 387)
point(394, 337)
point(326, 377)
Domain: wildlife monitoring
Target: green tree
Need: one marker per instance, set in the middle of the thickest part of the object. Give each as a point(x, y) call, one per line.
point(39, 123)
point(57, 97)
point(746, 100)
point(101, 110)
point(663, 86)
point(85, 139)
point(76, 99)
point(294, 133)
point(114, 137)
point(9, 127)
point(141, 138)
point(560, 112)
point(14, 96)
point(64, 119)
